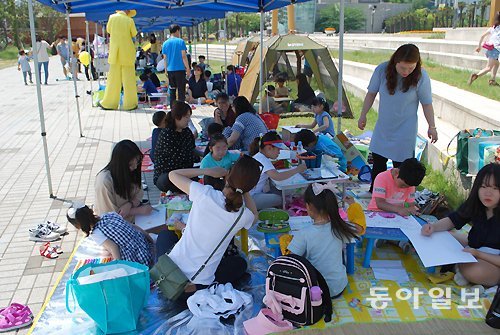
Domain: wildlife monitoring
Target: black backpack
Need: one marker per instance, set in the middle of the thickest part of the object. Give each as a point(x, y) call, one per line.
point(493, 316)
point(290, 279)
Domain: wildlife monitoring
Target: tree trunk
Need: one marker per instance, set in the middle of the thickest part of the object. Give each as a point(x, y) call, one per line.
point(238, 25)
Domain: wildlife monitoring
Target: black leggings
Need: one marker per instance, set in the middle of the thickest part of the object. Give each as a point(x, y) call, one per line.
point(230, 269)
point(379, 166)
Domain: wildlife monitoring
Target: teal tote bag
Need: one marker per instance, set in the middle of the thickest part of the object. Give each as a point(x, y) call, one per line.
point(112, 294)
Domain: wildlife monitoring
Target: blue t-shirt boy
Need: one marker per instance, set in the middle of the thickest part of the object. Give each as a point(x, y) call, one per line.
point(329, 147)
point(172, 49)
point(319, 120)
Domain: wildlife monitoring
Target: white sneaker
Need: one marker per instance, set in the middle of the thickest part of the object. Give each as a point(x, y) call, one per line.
point(54, 227)
point(43, 234)
point(460, 279)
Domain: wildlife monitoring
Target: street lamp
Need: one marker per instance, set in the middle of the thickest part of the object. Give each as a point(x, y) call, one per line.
point(373, 8)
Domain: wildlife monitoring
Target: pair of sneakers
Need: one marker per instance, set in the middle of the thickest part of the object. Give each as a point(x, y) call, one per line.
point(47, 232)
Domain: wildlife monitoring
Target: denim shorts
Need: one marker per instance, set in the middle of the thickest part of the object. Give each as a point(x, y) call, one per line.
point(493, 53)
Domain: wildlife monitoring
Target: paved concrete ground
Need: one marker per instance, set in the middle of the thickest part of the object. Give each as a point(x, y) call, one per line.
point(25, 276)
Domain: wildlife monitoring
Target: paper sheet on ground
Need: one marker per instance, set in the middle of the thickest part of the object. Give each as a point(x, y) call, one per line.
point(374, 219)
point(153, 220)
point(389, 270)
point(438, 249)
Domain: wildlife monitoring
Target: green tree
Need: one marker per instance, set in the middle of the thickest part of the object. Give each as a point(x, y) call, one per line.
point(354, 18)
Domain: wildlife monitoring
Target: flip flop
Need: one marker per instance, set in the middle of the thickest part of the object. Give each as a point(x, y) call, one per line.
point(48, 251)
point(14, 320)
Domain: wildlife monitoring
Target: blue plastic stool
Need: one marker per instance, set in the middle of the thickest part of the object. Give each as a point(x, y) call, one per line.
point(392, 234)
point(350, 257)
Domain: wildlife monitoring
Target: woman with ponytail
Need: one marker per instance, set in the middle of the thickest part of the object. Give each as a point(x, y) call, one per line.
point(175, 146)
point(212, 214)
point(402, 84)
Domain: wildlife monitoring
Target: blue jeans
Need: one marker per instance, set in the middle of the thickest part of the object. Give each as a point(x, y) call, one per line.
point(45, 70)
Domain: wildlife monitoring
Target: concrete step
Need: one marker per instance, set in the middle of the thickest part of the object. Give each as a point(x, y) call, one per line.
point(458, 54)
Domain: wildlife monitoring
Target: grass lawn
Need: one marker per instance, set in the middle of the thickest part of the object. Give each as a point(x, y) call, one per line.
point(437, 182)
point(450, 76)
point(8, 57)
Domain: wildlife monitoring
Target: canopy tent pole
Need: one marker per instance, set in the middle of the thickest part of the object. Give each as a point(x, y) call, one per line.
point(225, 43)
point(96, 38)
point(261, 77)
point(195, 33)
point(73, 67)
point(341, 67)
point(39, 96)
point(206, 38)
point(88, 50)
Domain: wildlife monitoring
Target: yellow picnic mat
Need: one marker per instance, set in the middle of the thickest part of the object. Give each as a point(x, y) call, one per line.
point(355, 308)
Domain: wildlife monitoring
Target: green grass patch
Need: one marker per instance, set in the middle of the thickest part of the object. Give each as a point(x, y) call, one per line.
point(10, 53)
point(450, 76)
point(437, 182)
point(8, 57)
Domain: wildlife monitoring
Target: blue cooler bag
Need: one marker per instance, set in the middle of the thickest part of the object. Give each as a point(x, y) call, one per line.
point(113, 295)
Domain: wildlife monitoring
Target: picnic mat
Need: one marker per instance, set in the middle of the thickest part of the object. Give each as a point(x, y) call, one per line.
point(350, 316)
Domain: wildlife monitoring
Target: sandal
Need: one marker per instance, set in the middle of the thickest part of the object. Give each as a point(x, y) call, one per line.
point(473, 77)
point(492, 82)
point(14, 320)
point(57, 249)
point(15, 307)
point(48, 251)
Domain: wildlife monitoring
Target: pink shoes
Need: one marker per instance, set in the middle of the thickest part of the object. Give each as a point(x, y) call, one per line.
point(14, 317)
point(266, 322)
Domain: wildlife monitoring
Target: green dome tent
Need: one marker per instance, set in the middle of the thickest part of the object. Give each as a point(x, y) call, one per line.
point(278, 49)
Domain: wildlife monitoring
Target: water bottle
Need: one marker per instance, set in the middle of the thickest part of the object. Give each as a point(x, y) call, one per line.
point(300, 148)
point(199, 101)
point(293, 154)
point(163, 198)
point(315, 292)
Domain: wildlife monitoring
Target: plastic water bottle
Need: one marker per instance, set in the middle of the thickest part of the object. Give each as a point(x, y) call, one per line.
point(293, 154)
point(300, 148)
point(199, 101)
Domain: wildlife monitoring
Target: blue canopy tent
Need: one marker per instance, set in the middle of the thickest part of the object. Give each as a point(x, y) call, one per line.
point(209, 9)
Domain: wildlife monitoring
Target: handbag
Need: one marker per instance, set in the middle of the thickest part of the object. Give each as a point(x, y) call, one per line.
point(488, 46)
point(463, 137)
point(112, 294)
point(170, 279)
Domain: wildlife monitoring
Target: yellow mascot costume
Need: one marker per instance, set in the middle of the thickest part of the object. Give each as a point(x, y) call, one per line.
point(121, 59)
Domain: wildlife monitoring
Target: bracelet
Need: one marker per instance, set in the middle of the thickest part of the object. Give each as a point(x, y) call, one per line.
point(432, 128)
